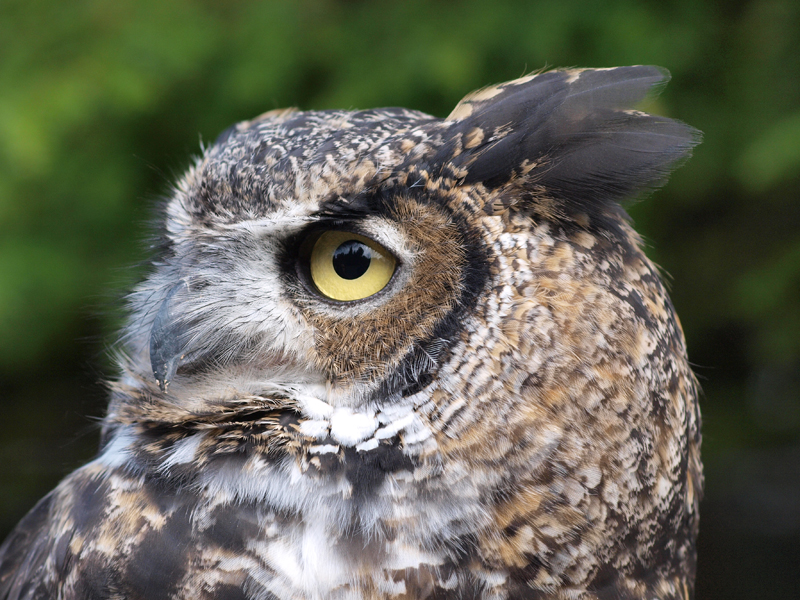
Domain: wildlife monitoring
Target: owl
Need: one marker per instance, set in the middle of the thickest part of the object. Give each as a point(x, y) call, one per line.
point(387, 355)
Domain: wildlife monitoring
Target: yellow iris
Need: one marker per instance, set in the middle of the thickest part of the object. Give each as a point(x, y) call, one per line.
point(346, 266)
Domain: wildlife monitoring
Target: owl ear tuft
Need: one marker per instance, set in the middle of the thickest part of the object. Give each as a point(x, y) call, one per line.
point(572, 137)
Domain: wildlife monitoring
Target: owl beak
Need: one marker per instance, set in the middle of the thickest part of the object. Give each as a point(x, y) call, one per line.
point(169, 338)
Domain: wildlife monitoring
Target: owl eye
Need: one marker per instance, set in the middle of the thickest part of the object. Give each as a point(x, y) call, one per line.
point(346, 266)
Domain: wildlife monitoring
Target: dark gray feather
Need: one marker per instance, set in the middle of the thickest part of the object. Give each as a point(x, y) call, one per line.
point(589, 147)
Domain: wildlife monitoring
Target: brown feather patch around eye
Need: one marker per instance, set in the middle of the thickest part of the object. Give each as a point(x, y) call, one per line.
point(365, 345)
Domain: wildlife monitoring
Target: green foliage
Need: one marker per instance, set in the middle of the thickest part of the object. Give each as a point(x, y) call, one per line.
point(103, 103)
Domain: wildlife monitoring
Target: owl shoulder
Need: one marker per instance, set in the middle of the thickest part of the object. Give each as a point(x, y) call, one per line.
point(24, 554)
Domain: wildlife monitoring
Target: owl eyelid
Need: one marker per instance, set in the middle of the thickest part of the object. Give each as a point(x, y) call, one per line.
point(312, 234)
point(381, 229)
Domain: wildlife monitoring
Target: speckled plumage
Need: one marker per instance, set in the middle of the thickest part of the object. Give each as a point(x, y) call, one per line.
point(512, 416)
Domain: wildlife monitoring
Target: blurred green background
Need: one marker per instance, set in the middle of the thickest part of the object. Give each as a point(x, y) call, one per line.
point(103, 104)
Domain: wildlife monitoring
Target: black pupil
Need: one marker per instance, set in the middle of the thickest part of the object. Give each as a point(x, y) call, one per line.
point(351, 259)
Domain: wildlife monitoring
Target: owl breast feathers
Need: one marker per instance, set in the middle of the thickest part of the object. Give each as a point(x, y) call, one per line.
point(385, 355)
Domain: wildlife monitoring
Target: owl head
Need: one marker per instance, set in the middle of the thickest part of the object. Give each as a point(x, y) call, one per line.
point(449, 316)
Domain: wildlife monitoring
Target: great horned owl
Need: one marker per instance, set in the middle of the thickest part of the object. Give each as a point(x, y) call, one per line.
point(385, 355)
